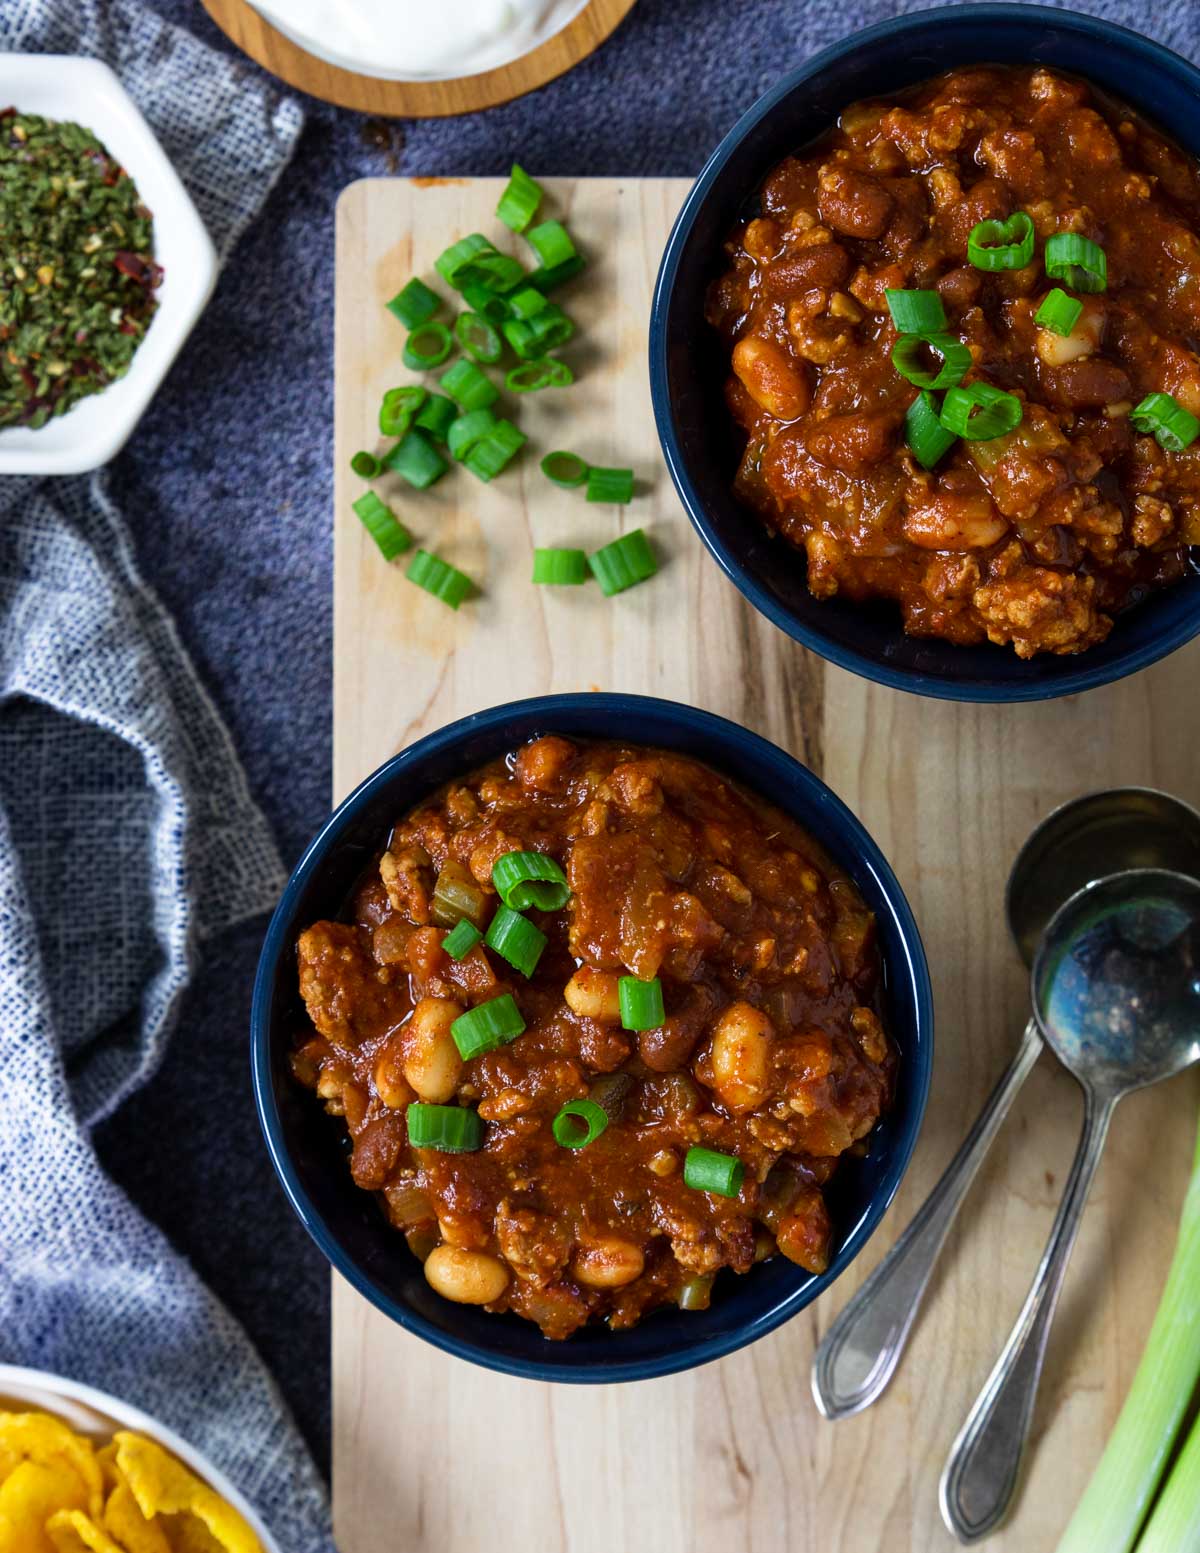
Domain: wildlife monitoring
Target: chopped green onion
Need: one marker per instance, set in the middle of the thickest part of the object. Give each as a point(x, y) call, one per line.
point(417, 460)
point(610, 485)
point(466, 431)
point(461, 939)
point(469, 387)
point(438, 577)
point(1109, 1516)
point(532, 375)
point(1077, 261)
point(641, 1003)
point(487, 1027)
point(916, 312)
point(398, 408)
point(427, 346)
point(478, 338)
point(1002, 245)
point(530, 880)
point(1172, 427)
point(565, 469)
point(495, 451)
point(561, 568)
point(383, 525)
point(365, 465)
point(520, 200)
point(924, 432)
point(955, 359)
point(486, 303)
point(704, 1170)
point(543, 332)
point(548, 280)
point(573, 1116)
point(552, 244)
point(980, 412)
point(498, 272)
point(415, 304)
point(453, 1129)
point(1059, 313)
point(455, 262)
point(436, 416)
point(515, 939)
point(1174, 1525)
point(523, 304)
point(626, 561)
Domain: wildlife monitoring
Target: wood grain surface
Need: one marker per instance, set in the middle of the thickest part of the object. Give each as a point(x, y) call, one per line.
point(416, 99)
point(432, 1455)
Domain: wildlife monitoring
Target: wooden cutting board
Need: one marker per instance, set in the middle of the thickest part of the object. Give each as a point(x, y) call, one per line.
point(433, 1455)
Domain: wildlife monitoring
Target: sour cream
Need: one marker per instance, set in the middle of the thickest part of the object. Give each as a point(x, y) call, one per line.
point(413, 40)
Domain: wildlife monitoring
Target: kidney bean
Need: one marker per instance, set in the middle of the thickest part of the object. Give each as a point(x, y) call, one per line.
point(852, 202)
point(826, 265)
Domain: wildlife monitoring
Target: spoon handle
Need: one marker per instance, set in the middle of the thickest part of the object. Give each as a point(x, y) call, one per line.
point(980, 1476)
point(858, 1355)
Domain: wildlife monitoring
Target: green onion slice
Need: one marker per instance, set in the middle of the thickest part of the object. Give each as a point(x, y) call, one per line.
point(495, 451)
point(438, 577)
point(520, 200)
point(466, 431)
point(427, 346)
point(1059, 313)
point(561, 568)
point(487, 1027)
point(579, 1123)
point(641, 1003)
point(530, 881)
point(383, 525)
point(1172, 427)
point(478, 338)
point(955, 359)
point(417, 460)
point(626, 561)
point(610, 485)
point(515, 939)
point(453, 1129)
point(469, 387)
point(532, 375)
point(398, 408)
point(455, 262)
point(552, 243)
point(436, 415)
point(415, 304)
point(486, 303)
point(704, 1170)
point(461, 939)
point(525, 302)
point(365, 465)
point(1002, 245)
point(1077, 261)
point(916, 312)
point(497, 272)
point(565, 469)
point(549, 279)
point(980, 412)
point(924, 432)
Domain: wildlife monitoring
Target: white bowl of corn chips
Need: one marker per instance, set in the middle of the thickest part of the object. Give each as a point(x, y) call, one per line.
point(81, 1472)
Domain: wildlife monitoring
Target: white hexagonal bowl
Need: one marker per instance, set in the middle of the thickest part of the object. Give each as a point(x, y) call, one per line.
point(98, 1415)
point(87, 92)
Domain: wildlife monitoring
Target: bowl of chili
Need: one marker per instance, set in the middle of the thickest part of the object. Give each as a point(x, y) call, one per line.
point(308, 1148)
point(690, 360)
point(93, 326)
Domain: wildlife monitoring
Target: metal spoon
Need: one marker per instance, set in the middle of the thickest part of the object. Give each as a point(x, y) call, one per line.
point(1116, 993)
point(1081, 841)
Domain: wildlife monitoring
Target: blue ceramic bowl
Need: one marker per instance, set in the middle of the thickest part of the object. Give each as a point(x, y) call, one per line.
point(688, 365)
point(307, 1146)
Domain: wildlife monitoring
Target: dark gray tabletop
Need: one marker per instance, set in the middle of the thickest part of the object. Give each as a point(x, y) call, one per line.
point(227, 488)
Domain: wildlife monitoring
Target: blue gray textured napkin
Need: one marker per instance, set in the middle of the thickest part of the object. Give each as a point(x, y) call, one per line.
point(127, 837)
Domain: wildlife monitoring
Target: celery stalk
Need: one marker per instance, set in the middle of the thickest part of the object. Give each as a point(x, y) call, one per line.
point(1110, 1514)
point(1174, 1526)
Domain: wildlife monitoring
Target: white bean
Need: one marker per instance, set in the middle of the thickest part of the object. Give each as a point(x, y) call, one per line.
point(594, 995)
point(466, 1277)
point(609, 1263)
point(741, 1056)
point(432, 1064)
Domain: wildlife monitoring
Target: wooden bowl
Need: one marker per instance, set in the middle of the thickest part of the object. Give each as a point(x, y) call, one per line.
point(416, 99)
